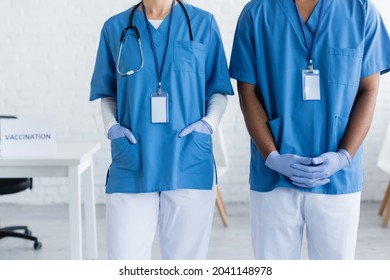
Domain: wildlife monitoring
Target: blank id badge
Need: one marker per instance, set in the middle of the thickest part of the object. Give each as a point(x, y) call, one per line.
point(311, 85)
point(159, 107)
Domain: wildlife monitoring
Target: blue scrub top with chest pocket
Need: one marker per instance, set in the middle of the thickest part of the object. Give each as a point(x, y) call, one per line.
point(193, 71)
point(269, 51)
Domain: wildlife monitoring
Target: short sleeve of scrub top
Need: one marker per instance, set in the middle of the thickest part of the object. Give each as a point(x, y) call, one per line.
point(376, 56)
point(243, 58)
point(103, 83)
point(217, 73)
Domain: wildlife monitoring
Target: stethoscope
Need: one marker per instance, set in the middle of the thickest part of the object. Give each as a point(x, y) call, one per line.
point(135, 29)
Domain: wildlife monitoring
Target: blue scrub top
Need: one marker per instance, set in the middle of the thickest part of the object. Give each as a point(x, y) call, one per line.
point(193, 71)
point(269, 51)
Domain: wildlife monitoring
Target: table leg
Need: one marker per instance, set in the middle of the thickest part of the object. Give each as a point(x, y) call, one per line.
point(75, 213)
point(90, 213)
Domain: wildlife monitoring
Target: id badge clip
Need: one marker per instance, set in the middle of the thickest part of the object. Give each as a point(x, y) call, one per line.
point(311, 84)
point(159, 107)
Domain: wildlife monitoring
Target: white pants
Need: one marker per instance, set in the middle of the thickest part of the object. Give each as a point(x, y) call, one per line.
point(184, 217)
point(278, 218)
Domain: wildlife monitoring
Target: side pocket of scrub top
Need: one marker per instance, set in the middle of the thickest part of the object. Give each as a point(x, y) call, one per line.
point(344, 66)
point(126, 159)
point(350, 178)
point(339, 127)
point(189, 56)
point(196, 153)
point(274, 126)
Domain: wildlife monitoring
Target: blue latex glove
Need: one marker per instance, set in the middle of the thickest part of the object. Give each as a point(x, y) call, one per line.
point(199, 126)
point(283, 164)
point(118, 131)
point(309, 183)
point(331, 162)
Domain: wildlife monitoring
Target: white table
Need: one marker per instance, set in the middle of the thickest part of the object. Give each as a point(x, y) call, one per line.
point(71, 161)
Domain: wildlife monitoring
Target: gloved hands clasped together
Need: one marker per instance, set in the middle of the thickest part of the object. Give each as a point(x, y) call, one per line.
point(308, 172)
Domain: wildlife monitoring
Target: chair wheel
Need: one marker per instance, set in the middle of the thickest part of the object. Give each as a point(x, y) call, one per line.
point(28, 232)
point(37, 245)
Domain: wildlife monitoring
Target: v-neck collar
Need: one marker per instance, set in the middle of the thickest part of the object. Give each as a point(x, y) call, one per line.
point(288, 7)
point(160, 34)
point(312, 21)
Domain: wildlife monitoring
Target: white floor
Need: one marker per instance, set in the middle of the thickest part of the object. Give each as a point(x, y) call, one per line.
point(50, 225)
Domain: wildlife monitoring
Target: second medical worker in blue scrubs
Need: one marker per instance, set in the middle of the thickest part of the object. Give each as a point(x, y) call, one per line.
point(162, 75)
point(308, 74)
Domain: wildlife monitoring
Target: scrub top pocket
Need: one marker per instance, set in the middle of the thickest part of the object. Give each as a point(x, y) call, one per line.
point(126, 159)
point(189, 56)
point(196, 153)
point(344, 66)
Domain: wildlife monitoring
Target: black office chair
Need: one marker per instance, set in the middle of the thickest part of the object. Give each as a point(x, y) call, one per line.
point(10, 186)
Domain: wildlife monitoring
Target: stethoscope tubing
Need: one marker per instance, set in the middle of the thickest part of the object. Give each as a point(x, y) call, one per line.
point(137, 34)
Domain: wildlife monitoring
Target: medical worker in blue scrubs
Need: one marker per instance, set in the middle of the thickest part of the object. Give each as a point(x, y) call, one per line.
point(162, 75)
point(308, 75)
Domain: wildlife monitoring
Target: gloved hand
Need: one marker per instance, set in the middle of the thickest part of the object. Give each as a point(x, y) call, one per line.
point(331, 162)
point(117, 131)
point(309, 183)
point(284, 164)
point(200, 126)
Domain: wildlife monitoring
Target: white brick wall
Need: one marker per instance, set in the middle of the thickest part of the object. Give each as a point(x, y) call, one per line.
point(47, 53)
